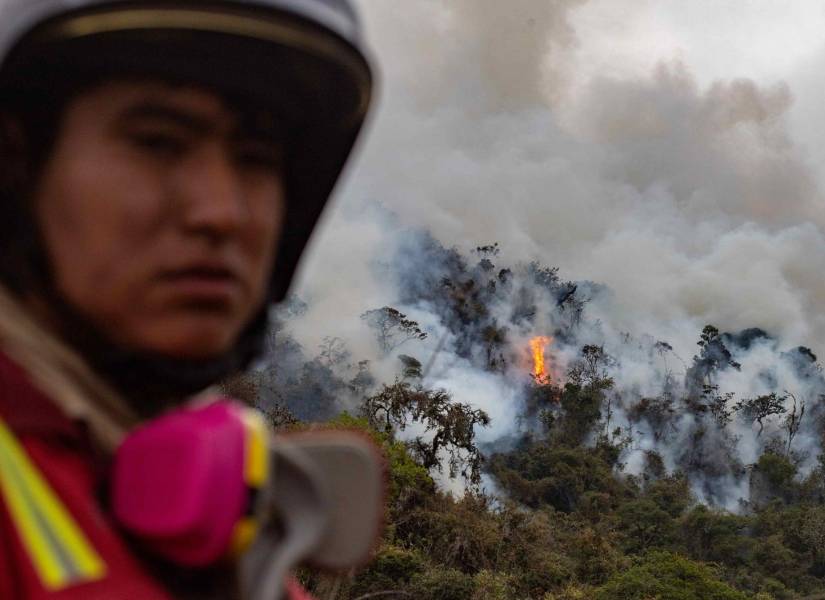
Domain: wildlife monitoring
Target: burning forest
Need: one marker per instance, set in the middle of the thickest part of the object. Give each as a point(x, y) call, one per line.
point(710, 415)
point(503, 383)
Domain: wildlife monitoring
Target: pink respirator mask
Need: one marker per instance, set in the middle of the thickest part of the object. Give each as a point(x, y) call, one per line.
point(200, 485)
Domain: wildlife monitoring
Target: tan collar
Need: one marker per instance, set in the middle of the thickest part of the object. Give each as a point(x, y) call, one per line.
point(63, 375)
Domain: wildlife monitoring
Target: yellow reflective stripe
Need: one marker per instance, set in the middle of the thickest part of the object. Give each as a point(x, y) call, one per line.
point(60, 552)
point(46, 564)
point(256, 455)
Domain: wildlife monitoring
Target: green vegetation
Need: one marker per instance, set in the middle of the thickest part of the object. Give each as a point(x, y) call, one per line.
point(572, 528)
point(665, 575)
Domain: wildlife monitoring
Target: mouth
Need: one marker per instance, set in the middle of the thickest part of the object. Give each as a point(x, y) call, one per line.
point(204, 285)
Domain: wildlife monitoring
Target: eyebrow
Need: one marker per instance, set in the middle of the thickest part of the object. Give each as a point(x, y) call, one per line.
point(154, 110)
point(246, 125)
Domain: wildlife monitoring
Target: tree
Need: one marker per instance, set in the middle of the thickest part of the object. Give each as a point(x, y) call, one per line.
point(363, 379)
point(713, 356)
point(443, 584)
point(280, 417)
point(672, 494)
point(487, 253)
point(392, 328)
point(585, 399)
point(412, 366)
point(556, 475)
point(659, 412)
point(661, 575)
point(773, 477)
point(488, 250)
point(451, 423)
point(710, 535)
point(590, 371)
point(333, 351)
point(494, 338)
point(793, 420)
point(645, 525)
point(388, 574)
point(569, 303)
point(717, 404)
point(547, 277)
point(760, 408)
point(662, 348)
point(812, 534)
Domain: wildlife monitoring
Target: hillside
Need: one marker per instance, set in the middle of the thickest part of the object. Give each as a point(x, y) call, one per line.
point(595, 463)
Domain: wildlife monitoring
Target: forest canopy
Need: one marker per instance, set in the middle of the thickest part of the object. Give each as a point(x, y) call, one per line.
point(683, 487)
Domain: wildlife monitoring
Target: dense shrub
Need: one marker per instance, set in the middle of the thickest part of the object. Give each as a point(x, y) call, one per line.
point(555, 475)
point(444, 584)
point(666, 576)
point(392, 569)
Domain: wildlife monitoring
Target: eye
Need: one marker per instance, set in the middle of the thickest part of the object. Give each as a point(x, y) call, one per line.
point(261, 155)
point(161, 143)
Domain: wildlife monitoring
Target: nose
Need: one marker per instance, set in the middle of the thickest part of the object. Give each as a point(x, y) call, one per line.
point(210, 193)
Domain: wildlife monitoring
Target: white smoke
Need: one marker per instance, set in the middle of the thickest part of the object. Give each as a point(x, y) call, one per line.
point(689, 198)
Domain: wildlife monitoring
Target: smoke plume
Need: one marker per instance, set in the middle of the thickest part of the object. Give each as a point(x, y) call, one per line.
point(686, 203)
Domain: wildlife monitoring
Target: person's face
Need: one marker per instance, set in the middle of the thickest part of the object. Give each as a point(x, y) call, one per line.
point(160, 209)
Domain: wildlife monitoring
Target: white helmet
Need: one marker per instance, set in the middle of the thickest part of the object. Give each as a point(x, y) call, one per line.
point(304, 57)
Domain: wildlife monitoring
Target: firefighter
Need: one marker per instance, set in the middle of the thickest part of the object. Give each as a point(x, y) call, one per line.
point(163, 166)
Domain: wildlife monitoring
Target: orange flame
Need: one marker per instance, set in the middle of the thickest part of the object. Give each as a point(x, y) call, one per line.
point(537, 347)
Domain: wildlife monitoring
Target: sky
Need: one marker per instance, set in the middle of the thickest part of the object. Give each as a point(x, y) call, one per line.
point(671, 150)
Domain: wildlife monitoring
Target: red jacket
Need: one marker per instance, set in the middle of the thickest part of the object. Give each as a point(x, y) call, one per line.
point(56, 542)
